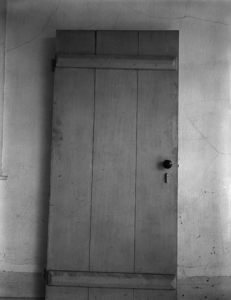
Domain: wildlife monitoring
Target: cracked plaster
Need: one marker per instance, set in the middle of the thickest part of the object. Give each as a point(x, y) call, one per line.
point(204, 112)
point(56, 11)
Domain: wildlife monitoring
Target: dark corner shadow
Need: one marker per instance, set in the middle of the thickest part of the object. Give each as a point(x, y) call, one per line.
point(48, 53)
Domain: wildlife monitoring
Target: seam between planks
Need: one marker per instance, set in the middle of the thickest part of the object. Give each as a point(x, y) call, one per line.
point(92, 166)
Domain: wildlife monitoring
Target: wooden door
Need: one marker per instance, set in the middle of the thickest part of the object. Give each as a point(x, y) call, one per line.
point(113, 205)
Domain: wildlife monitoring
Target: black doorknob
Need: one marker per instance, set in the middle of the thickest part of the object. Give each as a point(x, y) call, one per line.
point(167, 164)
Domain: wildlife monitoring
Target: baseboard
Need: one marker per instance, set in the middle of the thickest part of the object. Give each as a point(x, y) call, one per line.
point(31, 286)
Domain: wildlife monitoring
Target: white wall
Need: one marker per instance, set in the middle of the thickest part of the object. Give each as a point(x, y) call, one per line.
point(204, 122)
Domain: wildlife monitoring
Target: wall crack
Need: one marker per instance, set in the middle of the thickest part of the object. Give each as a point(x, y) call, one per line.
point(118, 16)
point(40, 33)
point(179, 18)
point(204, 137)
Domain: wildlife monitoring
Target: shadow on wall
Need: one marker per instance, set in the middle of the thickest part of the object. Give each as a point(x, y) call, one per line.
point(48, 46)
point(204, 209)
point(201, 82)
point(204, 205)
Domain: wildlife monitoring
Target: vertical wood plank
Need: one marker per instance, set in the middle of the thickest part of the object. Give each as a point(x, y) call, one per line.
point(66, 293)
point(110, 294)
point(75, 41)
point(156, 235)
point(154, 295)
point(113, 199)
point(70, 200)
point(117, 42)
point(156, 201)
point(159, 43)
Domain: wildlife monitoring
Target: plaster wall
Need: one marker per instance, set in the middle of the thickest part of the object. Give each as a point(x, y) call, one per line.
point(204, 238)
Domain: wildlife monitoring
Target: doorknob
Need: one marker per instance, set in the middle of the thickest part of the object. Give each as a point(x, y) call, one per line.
point(167, 164)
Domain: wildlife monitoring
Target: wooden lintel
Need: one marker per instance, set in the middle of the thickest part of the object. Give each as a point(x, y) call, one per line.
point(112, 280)
point(141, 62)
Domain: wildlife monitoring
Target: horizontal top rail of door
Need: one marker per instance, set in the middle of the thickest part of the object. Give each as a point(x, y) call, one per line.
point(141, 62)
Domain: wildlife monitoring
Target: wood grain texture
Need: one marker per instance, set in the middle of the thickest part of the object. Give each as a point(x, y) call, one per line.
point(128, 214)
point(154, 295)
point(159, 43)
point(75, 41)
point(112, 280)
point(112, 249)
point(116, 62)
point(66, 293)
point(113, 195)
point(110, 294)
point(117, 42)
point(70, 200)
point(156, 201)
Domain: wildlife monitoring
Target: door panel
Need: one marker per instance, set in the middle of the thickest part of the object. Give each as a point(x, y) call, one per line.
point(70, 201)
point(75, 41)
point(113, 206)
point(116, 42)
point(156, 208)
point(113, 190)
point(110, 294)
point(66, 293)
point(154, 295)
point(159, 43)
